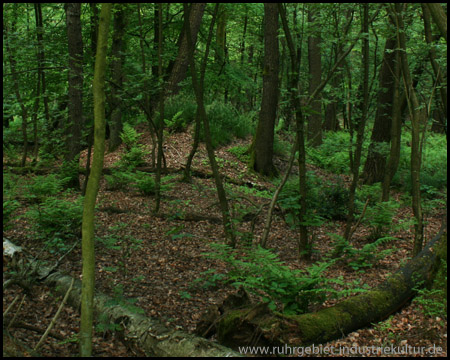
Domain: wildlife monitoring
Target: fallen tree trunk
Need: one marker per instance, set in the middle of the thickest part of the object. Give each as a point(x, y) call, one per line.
point(140, 332)
point(257, 326)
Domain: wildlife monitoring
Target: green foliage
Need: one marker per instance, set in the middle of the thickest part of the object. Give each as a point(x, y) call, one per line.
point(56, 221)
point(434, 300)
point(179, 112)
point(134, 157)
point(362, 258)
point(135, 153)
point(326, 200)
point(129, 136)
point(9, 207)
point(141, 181)
point(241, 152)
point(226, 123)
point(69, 169)
point(260, 272)
point(379, 217)
point(433, 173)
point(45, 186)
point(332, 154)
point(119, 179)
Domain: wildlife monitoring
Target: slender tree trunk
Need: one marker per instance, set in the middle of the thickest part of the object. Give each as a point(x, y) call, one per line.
point(315, 73)
point(413, 105)
point(262, 148)
point(160, 125)
point(198, 123)
point(361, 122)
point(436, 68)
point(198, 89)
point(88, 255)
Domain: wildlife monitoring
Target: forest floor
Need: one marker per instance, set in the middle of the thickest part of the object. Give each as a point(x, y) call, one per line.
point(160, 258)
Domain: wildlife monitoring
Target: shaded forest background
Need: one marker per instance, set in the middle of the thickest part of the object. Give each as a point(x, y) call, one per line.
point(318, 131)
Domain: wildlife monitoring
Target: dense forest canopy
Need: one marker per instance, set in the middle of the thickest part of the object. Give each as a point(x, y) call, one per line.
point(316, 132)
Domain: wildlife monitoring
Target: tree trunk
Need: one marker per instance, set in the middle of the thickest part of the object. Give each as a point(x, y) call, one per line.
point(396, 132)
point(315, 73)
point(262, 148)
point(117, 61)
point(198, 89)
point(439, 16)
point(87, 229)
point(413, 105)
point(257, 326)
point(360, 126)
point(381, 134)
point(75, 46)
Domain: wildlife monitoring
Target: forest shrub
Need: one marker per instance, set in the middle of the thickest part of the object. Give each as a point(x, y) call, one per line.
point(9, 207)
point(241, 152)
point(434, 300)
point(332, 154)
point(119, 179)
point(45, 186)
point(433, 174)
point(134, 156)
point(379, 217)
point(179, 111)
point(261, 272)
point(362, 258)
point(327, 200)
point(225, 123)
point(57, 221)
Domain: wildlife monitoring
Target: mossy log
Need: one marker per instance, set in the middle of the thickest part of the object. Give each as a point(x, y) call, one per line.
point(257, 326)
point(146, 336)
point(142, 333)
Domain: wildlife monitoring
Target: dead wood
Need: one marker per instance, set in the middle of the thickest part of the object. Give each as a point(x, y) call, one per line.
point(141, 332)
point(257, 326)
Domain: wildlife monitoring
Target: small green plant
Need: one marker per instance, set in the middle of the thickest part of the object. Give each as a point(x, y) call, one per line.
point(135, 153)
point(129, 136)
point(57, 221)
point(359, 259)
point(434, 301)
point(45, 186)
point(379, 217)
point(9, 207)
point(119, 179)
point(261, 272)
point(241, 152)
point(225, 123)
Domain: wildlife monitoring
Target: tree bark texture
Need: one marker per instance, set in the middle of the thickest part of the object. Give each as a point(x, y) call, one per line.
point(262, 150)
point(439, 17)
point(413, 105)
point(257, 326)
point(315, 77)
point(75, 122)
point(117, 61)
point(87, 228)
point(381, 134)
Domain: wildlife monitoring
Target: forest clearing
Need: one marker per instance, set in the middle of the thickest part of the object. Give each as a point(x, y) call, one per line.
point(209, 180)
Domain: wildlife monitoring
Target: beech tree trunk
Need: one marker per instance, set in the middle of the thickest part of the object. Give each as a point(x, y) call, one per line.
point(75, 47)
point(257, 326)
point(381, 134)
point(262, 147)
